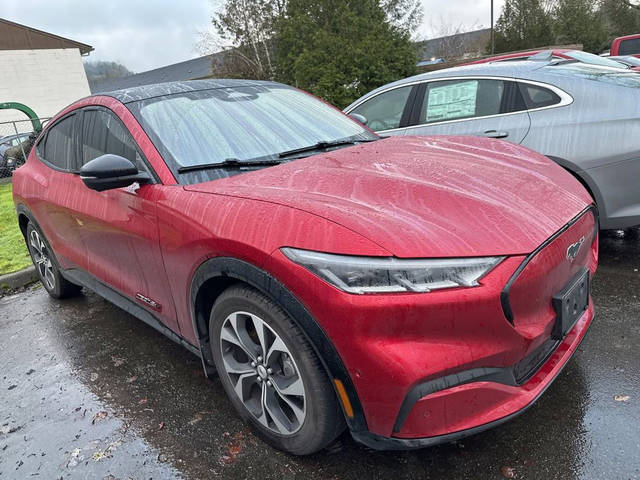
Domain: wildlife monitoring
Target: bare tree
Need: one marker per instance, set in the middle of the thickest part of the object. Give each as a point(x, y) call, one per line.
point(243, 30)
point(446, 32)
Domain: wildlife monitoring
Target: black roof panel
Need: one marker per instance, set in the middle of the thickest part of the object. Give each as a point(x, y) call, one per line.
point(144, 92)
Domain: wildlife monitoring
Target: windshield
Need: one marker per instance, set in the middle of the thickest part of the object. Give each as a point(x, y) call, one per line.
point(208, 127)
point(586, 57)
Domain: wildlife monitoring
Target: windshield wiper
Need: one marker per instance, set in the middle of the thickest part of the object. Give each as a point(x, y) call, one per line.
point(323, 145)
point(229, 163)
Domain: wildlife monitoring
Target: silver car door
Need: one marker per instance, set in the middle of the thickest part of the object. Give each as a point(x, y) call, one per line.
point(487, 107)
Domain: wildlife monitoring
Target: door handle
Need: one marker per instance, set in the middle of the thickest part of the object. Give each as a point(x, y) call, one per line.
point(496, 134)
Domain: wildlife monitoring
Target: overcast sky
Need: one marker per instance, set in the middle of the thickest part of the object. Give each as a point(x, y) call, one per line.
point(143, 34)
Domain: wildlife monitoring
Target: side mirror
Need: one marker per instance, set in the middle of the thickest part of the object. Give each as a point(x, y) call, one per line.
point(111, 171)
point(359, 118)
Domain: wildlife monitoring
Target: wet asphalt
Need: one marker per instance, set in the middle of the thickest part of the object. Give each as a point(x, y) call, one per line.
point(89, 392)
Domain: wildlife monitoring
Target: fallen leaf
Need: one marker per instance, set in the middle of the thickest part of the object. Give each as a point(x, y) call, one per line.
point(142, 401)
point(621, 398)
point(234, 449)
point(196, 418)
point(132, 379)
point(508, 472)
point(30, 371)
point(99, 416)
point(161, 426)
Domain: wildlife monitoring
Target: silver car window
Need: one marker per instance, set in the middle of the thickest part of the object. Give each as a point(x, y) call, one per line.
point(384, 111)
point(536, 96)
point(464, 98)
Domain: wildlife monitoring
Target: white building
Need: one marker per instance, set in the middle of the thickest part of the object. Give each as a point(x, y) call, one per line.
point(39, 69)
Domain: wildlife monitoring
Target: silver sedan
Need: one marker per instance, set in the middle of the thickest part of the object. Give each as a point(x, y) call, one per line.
point(584, 117)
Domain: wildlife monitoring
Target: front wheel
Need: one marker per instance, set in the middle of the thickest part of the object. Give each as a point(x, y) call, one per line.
point(271, 373)
point(46, 265)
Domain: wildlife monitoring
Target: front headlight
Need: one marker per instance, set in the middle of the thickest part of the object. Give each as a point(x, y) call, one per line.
point(388, 274)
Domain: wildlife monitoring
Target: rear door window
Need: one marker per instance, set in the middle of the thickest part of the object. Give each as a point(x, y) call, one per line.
point(465, 99)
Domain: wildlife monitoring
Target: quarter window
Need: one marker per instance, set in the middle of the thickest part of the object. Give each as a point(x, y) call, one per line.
point(460, 99)
point(103, 133)
point(538, 97)
point(58, 148)
point(384, 111)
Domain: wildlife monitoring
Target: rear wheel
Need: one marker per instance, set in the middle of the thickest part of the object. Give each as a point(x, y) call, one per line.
point(271, 374)
point(46, 265)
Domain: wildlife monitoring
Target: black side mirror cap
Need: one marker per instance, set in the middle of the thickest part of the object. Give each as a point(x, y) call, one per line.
point(111, 171)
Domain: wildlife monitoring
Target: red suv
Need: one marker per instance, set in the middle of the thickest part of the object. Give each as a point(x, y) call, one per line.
point(413, 289)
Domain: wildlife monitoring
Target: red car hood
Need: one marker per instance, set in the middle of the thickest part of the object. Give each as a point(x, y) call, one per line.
point(425, 196)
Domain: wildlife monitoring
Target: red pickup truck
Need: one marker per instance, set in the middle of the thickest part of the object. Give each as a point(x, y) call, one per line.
point(627, 45)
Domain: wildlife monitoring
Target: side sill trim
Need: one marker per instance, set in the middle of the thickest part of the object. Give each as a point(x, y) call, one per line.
point(87, 280)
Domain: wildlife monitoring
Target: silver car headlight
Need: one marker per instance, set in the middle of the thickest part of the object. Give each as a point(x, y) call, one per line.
point(360, 275)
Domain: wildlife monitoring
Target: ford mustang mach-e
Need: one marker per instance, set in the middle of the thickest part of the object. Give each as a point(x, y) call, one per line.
point(414, 290)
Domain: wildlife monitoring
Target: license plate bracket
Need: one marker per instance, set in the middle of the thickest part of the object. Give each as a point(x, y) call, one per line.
point(570, 303)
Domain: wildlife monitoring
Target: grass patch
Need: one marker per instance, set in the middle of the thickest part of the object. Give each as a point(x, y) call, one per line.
point(13, 251)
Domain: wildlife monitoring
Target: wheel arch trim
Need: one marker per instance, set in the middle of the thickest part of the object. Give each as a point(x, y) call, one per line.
point(22, 210)
point(234, 269)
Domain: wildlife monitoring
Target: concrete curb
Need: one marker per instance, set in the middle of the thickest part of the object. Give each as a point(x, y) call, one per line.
point(20, 278)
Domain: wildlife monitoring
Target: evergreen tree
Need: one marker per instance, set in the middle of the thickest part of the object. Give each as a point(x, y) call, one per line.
point(341, 49)
point(579, 21)
point(523, 24)
point(620, 17)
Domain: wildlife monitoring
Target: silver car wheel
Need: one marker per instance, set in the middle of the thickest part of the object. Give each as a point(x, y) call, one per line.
point(263, 373)
point(41, 260)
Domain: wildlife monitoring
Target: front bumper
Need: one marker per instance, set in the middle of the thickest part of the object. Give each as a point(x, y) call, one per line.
point(468, 386)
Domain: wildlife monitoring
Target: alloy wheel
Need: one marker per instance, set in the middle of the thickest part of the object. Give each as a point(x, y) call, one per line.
point(263, 373)
point(42, 260)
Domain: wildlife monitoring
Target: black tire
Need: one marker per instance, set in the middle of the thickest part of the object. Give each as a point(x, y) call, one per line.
point(324, 419)
point(54, 283)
